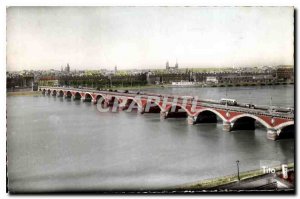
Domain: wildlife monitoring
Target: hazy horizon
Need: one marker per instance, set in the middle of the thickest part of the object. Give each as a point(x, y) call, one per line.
point(128, 69)
point(95, 38)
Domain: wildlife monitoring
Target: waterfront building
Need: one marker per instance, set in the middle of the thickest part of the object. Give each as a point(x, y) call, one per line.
point(285, 73)
point(211, 79)
point(48, 81)
point(167, 65)
point(176, 65)
point(183, 83)
point(67, 68)
point(172, 69)
point(19, 81)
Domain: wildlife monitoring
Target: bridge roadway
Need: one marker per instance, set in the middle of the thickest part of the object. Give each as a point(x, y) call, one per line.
point(196, 110)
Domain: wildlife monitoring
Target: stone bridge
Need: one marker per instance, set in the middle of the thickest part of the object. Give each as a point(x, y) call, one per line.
point(278, 125)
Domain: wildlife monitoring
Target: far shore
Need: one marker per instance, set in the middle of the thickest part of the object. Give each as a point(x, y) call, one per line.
point(21, 93)
point(153, 86)
point(133, 88)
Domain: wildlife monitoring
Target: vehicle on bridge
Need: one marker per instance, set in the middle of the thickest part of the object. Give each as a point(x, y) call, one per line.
point(262, 107)
point(284, 110)
point(291, 110)
point(230, 102)
point(250, 105)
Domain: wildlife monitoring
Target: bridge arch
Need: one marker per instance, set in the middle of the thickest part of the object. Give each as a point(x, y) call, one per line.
point(247, 122)
point(88, 97)
point(152, 107)
point(283, 125)
point(132, 103)
point(60, 93)
point(176, 111)
point(168, 108)
point(54, 92)
point(114, 101)
point(68, 94)
point(98, 97)
point(77, 96)
point(287, 131)
point(139, 103)
point(209, 110)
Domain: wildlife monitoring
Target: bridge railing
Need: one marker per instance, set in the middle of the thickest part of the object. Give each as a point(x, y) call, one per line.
point(250, 111)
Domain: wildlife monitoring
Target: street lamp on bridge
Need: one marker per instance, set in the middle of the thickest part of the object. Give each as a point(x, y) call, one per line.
point(238, 169)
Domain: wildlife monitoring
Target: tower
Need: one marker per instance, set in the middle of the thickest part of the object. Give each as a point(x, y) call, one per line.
point(176, 65)
point(167, 65)
point(67, 69)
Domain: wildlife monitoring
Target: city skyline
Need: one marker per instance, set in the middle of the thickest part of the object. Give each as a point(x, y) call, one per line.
point(63, 68)
point(147, 37)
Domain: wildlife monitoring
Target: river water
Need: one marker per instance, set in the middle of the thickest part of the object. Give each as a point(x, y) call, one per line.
point(56, 144)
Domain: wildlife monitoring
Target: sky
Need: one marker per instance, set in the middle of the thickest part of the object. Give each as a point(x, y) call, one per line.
point(93, 38)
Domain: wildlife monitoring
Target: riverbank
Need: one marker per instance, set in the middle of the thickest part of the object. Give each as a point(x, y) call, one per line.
point(23, 93)
point(227, 180)
point(195, 86)
point(138, 87)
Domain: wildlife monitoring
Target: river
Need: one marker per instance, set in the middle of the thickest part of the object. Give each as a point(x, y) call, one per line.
point(56, 144)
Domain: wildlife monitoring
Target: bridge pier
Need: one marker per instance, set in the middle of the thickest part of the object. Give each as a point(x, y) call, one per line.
point(141, 110)
point(122, 107)
point(226, 126)
point(163, 114)
point(105, 104)
point(272, 134)
point(191, 120)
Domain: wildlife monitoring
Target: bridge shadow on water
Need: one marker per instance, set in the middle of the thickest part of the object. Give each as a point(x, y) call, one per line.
point(150, 117)
point(244, 134)
point(252, 132)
